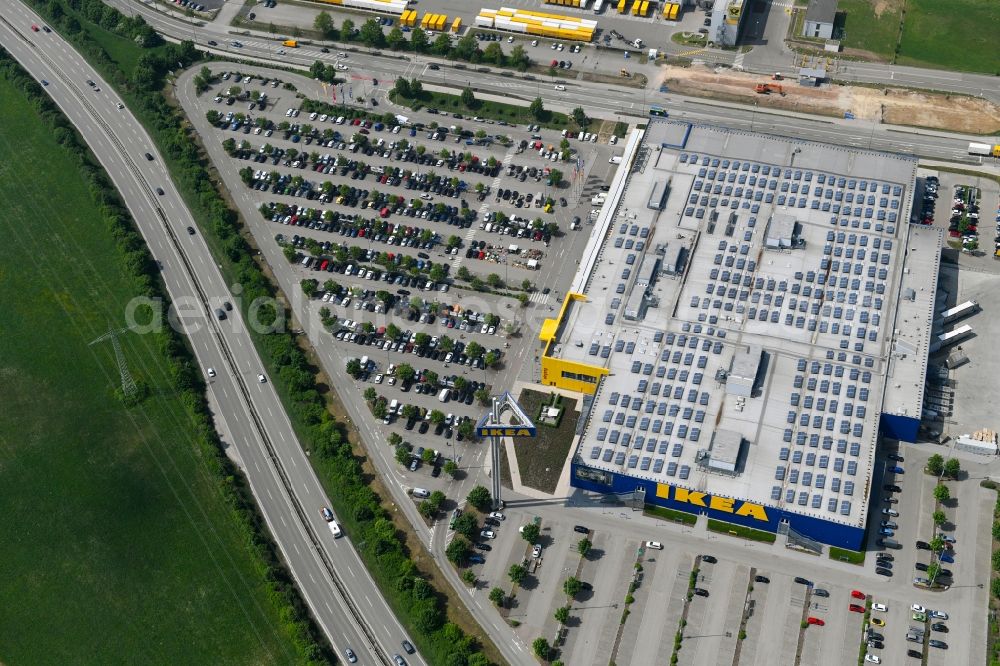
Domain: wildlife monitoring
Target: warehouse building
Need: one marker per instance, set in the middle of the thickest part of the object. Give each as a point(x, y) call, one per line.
point(739, 343)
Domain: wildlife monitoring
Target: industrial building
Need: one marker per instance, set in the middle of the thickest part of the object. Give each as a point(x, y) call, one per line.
point(727, 21)
point(819, 20)
point(745, 325)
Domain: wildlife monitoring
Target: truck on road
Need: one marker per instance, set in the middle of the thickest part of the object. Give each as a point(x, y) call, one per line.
point(290, 43)
point(986, 149)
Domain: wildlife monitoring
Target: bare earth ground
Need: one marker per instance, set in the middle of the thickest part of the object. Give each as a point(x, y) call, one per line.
point(891, 105)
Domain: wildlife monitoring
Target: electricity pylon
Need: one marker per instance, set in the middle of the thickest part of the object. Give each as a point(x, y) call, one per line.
point(129, 389)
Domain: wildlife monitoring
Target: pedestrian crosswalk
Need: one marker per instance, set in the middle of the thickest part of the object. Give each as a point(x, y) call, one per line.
point(538, 298)
point(738, 60)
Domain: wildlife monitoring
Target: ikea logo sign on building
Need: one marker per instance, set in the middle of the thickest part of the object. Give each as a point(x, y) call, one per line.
point(505, 431)
point(723, 504)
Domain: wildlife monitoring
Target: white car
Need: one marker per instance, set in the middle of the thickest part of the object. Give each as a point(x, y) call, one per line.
point(873, 658)
point(211, 372)
point(261, 378)
point(890, 512)
point(391, 381)
point(534, 42)
point(488, 534)
point(560, 87)
point(335, 529)
point(498, 516)
point(917, 608)
point(536, 551)
point(378, 379)
point(882, 608)
point(341, 66)
point(654, 545)
point(938, 615)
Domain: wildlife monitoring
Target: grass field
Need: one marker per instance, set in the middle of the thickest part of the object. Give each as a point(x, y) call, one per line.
point(541, 459)
point(868, 32)
point(670, 514)
point(740, 531)
point(118, 547)
point(959, 35)
point(512, 113)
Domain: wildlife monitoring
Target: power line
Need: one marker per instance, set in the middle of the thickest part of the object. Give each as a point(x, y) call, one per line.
point(129, 389)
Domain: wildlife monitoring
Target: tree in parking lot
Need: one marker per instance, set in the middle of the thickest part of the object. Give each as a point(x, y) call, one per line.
point(483, 396)
point(516, 573)
point(479, 496)
point(466, 525)
point(380, 409)
point(937, 543)
point(530, 532)
point(367, 327)
point(309, 287)
point(562, 614)
point(583, 547)
point(467, 429)
point(461, 383)
point(421, 340)
point(497, 596)
point(212, 116)
point(410, 412)
point(523, 299)
point(952, 468)
point(416, 302)
point(403, 454)
point(431, 378)
point(450, 468)
point(474, 350)
point(935, 465)
point(354, 368)
point(446, 344)
point(290, 253)
point(463, 273)
point(405, 372)
point(933, 571)
point(572, 586)
point(494, 280)
point(395, 439)
point(437, 273)
point(324, 24)
point(526, 284)
point(941, 493)
point(370, 394)
point(491, 360)
point(556, 178)
point(458, 550)
point(437, 417)
point(229, 145)
point(939, 518)
point(541, 648)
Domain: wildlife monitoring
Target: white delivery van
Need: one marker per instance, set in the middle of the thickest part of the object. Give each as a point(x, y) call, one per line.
point(444, 395)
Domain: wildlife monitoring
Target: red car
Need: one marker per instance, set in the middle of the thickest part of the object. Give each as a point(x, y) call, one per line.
point(857, 594)
point(34, 28)
point(815, 620)
point(856, 608)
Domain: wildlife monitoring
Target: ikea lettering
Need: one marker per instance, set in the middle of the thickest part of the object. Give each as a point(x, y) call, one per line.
point(506, 431)
point(723, 504)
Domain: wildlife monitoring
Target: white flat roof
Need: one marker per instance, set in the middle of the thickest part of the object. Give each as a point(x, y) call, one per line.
point(821, 311)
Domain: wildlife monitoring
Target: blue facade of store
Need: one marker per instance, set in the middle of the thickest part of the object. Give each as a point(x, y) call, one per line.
point(824, 531)
point(896, 426)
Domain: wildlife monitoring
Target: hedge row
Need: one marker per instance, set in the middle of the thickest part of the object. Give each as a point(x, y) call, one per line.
point(418, 605)
point(139, 269)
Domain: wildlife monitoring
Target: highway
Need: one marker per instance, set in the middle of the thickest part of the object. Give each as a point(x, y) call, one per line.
point(603, 99)
point(341, 595)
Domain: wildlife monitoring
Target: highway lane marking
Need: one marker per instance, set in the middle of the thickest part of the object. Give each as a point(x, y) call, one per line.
point(369, 601)
point(295, 545)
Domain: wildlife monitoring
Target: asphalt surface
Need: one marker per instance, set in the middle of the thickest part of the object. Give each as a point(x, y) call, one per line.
point(342, 596)
point(629, 103)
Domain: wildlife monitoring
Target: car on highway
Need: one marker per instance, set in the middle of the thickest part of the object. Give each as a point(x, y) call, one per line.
point(159, 191)
point(211, 372)
point(881, 608)
point(212, 42)
point(815, 620)
point(327, 514)
point(858, 594)
point(149, 157)
point(560, 87)
point(399, 661)
point(261, 378)
point(488, 534)
point(44, 82)
point(408, 647)
point(335, 529)
point(351, 657)
point(190, 231)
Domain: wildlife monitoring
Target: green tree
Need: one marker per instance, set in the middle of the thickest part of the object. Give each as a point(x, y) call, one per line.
point(466, 525)
point(941, 493)
point(530, 532)
point(477, 284)
point(526, 284)
point(482, 396)
point(419, 41)
point(491, 360)
point(370, 394)
point(580, 117)
point(480, 498)
point(466, 47)
point(935, 465)
point(536, 109)
point(467, 429)
point(516, 573)
point(394, 439)
point(497, 596)
point(450, 468)
point(403, 455)
point(410, 412)
point(939, 518)
point(494, 280)
point(463, 273)
point(952, 468)
point(380, 409)
point(441, 45)
point(324, 24)
point(437, 273)
point(493, 53)
point(396, 39)
point(474, 349)
point(468, 97)
point(937, 543)
point(562, 614)
point(458, 550)
point(933, 571)
point(583, 547)
point(347, 30)
point(996, 560)
point(523, 299)
point(428, 456)
point(431, 377)
point(354, 368)
point(995, 587)
point(541, 648)
point(572, 586)
point(405, 372)
point(402, 87)
point(309, 287)
point(518, 58)
point(437, 416)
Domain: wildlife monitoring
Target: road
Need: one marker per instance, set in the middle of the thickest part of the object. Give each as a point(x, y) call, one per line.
point(342, 596)
point(610, 100)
